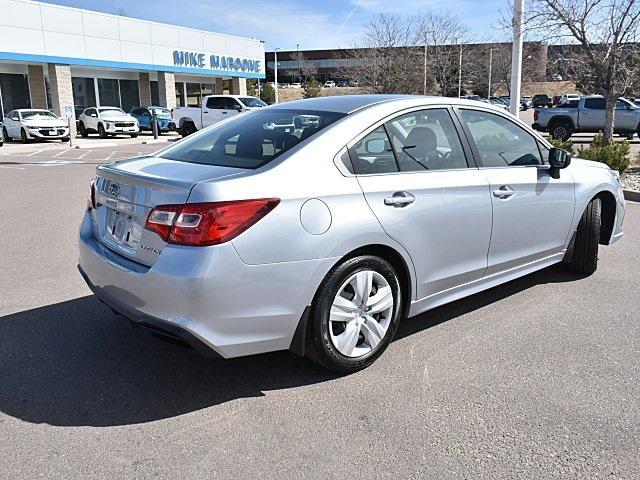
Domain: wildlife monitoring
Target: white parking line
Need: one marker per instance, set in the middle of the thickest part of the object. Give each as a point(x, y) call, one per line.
point(34, 153)
point(59, 153)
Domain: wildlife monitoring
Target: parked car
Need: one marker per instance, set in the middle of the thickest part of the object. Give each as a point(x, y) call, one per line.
point(329, 84)
point(541, 100)
point(526, 103)
point(498, 102)
point(34, 124)
point(472, 97)
point(107, 121)
point(1, 135)
point(303, 226)
point(214, 109)
point(561, 122)
point(296, 85)
point(144, 116)
point(342, 83)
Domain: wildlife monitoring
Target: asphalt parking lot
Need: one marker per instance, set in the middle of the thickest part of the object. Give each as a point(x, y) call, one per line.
point(538, 378)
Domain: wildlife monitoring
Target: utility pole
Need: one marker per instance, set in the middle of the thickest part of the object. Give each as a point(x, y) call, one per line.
point(275, 72)
point(424, 92)
point(516, 57)
point(490, 66)
point(460, 71)
point(298, 58)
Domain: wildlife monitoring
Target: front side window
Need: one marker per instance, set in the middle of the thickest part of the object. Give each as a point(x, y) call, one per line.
point(373, 154)
point(500, 142)
point(252, 140)
point(426, 140)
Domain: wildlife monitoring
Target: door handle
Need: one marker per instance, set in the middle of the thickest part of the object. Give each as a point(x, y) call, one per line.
point(205, 112)
point(400, 199)
point(504, 192)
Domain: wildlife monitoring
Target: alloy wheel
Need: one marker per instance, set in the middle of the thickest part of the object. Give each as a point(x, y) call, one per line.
point(361, 313)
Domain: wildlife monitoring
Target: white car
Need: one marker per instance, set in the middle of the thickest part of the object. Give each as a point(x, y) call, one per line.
point(295, 85)
point(106, 121)
point(329, 84)
point(568, 97)
point(32, 124)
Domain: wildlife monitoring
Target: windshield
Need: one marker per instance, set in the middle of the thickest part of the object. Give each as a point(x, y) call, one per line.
point(160, 111)
point(110, 111)
point(252, 102)
point(253, 139)
point(38, 114)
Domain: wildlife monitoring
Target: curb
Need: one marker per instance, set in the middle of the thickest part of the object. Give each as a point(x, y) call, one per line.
point(632, 195)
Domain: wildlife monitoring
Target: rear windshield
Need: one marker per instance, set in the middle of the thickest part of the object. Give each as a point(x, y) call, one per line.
point(253, 139)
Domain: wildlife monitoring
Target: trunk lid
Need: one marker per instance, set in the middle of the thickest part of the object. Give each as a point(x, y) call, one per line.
point(126, 192)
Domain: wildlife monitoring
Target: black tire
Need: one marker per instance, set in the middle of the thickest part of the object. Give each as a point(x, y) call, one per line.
point(584, 251)
point(319, 346)
point(187, 129)
point(64, 140)
point(82, 130)
point(102, 133)
point(5, 134)
point(23, 136)
point(134, 135)
point(561, 130)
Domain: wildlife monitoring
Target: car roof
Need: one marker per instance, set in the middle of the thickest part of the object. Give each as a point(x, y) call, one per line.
point(351, 103)
point(21, 110)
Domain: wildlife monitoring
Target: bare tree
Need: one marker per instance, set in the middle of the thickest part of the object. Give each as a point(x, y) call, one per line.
point(604, 57)
point(305, 68)
point(386, 60)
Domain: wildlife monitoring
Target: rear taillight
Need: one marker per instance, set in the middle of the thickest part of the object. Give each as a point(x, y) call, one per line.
point(91, 198)
point(202, 224)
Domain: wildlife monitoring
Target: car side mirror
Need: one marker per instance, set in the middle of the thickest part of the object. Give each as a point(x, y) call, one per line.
point(375, 146)
point(238, 108)
point(558, 159)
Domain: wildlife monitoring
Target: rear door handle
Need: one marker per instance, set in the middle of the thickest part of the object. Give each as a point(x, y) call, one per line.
point(504, 192)
point(400, 199)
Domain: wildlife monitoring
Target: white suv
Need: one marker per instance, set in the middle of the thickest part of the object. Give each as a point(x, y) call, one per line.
point(329, 84)
point(106, 121)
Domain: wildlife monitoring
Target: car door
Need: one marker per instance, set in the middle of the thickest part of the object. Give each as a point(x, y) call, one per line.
point(217, 109)
point(415, 175)
point(532, 211)
point(13, 124)
point(591, 115)
point(91, 119)
point(626, 116)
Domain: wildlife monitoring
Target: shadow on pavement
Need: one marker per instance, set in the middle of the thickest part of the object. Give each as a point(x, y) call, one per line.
point(76, 363)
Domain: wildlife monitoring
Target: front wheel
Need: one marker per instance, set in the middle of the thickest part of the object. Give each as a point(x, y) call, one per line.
point(134, 135)
point(82, 130)
point(583, 256)
point(354, 315)
point(23, 136)
point(102, 133)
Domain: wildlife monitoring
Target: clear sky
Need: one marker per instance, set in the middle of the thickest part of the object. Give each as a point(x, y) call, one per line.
point(313, 24)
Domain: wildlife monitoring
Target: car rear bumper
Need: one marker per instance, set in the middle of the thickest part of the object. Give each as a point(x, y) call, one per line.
point(207, 295)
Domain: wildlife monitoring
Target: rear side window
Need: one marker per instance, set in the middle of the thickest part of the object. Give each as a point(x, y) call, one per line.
point(595, 103)
point(500, 142)
point(426, 140)
point(253, 139)
point(373, 154)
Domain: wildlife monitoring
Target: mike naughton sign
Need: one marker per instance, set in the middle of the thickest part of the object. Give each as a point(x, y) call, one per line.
point(215, 62)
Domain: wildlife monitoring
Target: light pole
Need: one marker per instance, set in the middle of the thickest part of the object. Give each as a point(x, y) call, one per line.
point(298, 58)
point(490, 66)
point(424, 89)
point(275, 72)
point(460, 71)
point(516, 57)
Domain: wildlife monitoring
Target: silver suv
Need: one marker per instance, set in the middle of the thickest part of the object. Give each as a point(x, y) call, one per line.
point(317, 225)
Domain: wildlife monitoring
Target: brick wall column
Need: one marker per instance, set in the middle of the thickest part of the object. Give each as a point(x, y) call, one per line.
point(36, 87)
point(61, 91)
point(145, 89)
point(167, 89)
point(219, 86)
point(238, 86)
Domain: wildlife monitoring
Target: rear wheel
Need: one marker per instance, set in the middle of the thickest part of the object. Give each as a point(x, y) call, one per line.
point(354, 315)
point(561, 130)
point(187, 129)
point(83, 131)
point(584, 252)
point(134, 135)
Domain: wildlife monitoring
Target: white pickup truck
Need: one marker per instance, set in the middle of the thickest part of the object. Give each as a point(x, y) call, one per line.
point(214, 109)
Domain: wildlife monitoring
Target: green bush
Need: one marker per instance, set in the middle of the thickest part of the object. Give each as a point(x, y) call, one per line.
point(564, 145)
point(252, 87)
point(268, 94)
point(312, 89)
point(616, 155)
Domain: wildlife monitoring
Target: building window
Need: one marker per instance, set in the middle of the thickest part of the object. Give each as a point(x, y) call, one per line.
point(194, 95)
point(180, 94)
point(14, 92)
point(129, 94)
point(108, 92)
point(84, 94)
point(155, 93)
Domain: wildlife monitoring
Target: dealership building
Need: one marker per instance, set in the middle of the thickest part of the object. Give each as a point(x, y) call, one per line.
point(54, 56)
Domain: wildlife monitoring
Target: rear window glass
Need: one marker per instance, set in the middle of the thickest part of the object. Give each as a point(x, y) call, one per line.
point(253, 139)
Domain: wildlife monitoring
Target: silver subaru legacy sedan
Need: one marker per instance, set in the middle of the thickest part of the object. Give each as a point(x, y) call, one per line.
point(316, 225)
